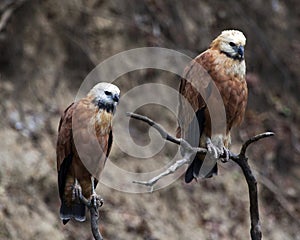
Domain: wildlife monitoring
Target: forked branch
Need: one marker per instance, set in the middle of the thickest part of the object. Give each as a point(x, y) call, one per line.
point(189, 152)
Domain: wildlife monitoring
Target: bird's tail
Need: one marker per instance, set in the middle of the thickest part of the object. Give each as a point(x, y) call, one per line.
point(193, 170)
point(75, 211)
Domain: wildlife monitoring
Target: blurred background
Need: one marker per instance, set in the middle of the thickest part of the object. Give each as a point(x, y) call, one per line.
point(46, 50)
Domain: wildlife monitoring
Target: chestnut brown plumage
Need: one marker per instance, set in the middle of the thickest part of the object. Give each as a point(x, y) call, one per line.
point(89, 123)
point(224, 63)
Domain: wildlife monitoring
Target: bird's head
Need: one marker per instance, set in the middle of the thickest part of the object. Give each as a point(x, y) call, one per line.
point(231, 43)
point(105, 96)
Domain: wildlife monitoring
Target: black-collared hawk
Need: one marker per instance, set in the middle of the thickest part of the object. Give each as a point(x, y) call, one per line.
point(86, 125)
point(224, 63)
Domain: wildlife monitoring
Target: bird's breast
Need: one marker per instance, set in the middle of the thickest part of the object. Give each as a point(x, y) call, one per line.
point(229, 76)
point(236, 69)
point(229, 68)
point(101, 122)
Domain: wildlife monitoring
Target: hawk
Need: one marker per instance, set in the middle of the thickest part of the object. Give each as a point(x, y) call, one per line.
point(88, 123)
point(224, 64)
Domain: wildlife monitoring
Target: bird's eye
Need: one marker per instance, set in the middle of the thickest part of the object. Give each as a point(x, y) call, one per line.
point(232, 44)
point(108, 93)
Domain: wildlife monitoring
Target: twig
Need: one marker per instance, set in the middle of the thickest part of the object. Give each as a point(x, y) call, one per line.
point(169, 171)
point(7, 12)
point(159, 128)
point(252, 140)
point(94, 212)
point(188, 152)
point(188, 149)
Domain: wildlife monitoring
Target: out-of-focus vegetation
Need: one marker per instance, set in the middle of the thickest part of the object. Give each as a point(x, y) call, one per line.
point(46, 50)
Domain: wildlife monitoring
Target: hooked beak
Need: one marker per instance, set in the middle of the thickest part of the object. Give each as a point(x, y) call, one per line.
point(116, 98)
point(240, 51)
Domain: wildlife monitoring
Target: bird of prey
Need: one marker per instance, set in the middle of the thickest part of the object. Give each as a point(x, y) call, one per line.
point(224, 64)
point(85, 125)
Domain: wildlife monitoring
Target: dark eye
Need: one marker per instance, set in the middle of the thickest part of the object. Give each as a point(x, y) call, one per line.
point(232, 44)
point(108, 93)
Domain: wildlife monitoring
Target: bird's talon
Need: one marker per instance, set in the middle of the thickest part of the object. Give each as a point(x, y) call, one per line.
point(217, 152)
point(96, 201)
point(212, 150)
point(227, 155)
point(100, 202)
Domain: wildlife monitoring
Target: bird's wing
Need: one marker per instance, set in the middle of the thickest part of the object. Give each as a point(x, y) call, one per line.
point(64, 148)
point(105, 143)
point(194, 88)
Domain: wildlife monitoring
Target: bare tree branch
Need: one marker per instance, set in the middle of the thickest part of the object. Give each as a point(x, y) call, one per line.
point(159, 128)
point(242, 161)
point(254, 139)
point(7, 10)
point(188, 152)
point(93, 205)
point(169, 171)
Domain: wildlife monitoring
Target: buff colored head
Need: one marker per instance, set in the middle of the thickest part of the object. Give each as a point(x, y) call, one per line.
point(231, 43)
point(105, 96)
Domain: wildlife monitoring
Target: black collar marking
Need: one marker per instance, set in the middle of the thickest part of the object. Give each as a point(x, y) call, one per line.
point(109, 107)
point(237, 57)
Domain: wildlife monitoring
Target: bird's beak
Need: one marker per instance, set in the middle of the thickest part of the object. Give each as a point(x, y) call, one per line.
point(116, 97)
point(240, 51)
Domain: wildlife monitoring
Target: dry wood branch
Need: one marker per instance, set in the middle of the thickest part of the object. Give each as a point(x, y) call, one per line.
point(94, 212)
point(188, 152)
point(169, 171)
point(7, 11)
point(159, 128)
point(254, 139)
point(242, 161)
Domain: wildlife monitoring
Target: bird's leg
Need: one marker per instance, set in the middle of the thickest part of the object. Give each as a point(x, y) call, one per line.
point(211, 148)
point(96, 200)
point(76, 191)
point(226, 154)
point(216, 148)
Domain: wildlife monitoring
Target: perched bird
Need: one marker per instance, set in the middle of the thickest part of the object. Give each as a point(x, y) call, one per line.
point(85, 126)
point(224, 63)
